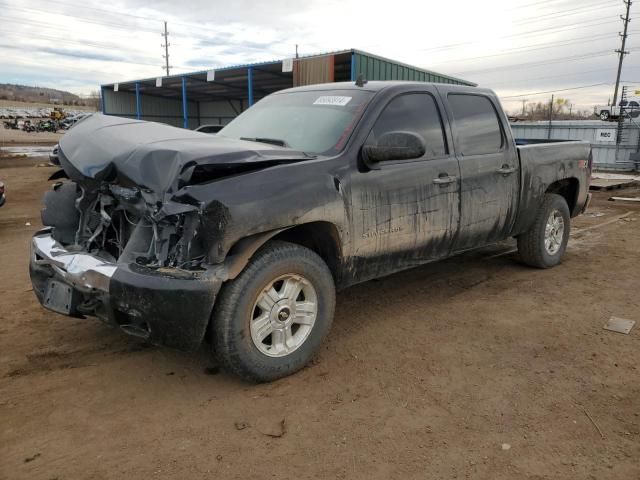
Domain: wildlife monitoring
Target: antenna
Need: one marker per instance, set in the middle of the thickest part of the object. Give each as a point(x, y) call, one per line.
point(360, 81)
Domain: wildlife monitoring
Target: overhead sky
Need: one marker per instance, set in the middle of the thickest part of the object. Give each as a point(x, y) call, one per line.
point(516, 47)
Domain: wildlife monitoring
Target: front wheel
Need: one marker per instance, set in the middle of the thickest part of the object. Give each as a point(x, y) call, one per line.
point(543, 245)
point(270, 320)
point(604, 115)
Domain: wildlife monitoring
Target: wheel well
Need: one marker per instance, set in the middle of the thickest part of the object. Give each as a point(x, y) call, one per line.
point(321, 237)
point(568, 188)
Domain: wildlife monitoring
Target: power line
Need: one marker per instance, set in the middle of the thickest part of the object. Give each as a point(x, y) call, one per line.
point(199, 25)
point(84, 19)
point(547, 77)
point(527, 49)
point(192, 33)
point(560, 13)
point(536, 64)
point(577, 25)
point(527, 5)
point(103, 46)
point(556, 91)
point(33, 48)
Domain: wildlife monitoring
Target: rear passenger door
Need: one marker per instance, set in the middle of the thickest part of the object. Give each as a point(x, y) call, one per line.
point(489, 170)
point(405, 212)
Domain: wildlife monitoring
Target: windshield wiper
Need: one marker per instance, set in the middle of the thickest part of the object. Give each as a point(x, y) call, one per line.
point(271, 141)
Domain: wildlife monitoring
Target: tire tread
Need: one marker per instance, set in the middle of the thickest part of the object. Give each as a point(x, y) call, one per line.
point(225, 349)
point(531, 251)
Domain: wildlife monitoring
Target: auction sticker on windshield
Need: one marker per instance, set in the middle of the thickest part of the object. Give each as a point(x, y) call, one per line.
point(334, 100)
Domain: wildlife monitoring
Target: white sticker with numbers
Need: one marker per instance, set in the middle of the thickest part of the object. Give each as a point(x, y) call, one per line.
point(333, 100)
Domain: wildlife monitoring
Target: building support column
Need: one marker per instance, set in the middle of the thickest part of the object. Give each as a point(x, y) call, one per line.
point(138, 109)
point(353, 66)
point(185, 111)
point(250, 84)
point(102, 105)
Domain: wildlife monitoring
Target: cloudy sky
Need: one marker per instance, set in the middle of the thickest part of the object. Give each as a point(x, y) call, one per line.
point(516, 47)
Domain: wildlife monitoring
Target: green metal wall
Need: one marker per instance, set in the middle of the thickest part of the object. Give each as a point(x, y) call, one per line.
point(374, 68)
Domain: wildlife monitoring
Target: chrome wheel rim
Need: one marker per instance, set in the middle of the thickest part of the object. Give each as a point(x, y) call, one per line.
point(283, 315)
point(554, 232)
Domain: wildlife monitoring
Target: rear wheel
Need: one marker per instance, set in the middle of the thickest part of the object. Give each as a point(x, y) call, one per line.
point(545, 242)
point(271, 319)
point(604, 115)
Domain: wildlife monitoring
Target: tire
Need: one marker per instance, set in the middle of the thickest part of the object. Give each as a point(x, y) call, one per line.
point(535, 247)
point(245, 312)
point(604, 115)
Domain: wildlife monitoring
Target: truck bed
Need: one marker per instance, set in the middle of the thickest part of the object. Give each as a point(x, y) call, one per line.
point(547, 162)
point(537, 141)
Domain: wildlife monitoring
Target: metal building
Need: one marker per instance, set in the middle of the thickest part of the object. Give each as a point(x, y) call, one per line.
point(615, 146)
point(217, 96)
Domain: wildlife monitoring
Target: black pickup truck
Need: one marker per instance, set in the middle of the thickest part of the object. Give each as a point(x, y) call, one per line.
point(240, 240)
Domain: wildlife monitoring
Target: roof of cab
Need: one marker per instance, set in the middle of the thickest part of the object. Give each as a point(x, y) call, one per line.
point(376, 86)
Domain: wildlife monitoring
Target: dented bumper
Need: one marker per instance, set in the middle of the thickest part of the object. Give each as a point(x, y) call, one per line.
point(162, 305)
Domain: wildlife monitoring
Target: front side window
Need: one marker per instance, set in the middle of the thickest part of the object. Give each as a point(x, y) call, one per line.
point(476, 124)
point(318, 122)
point(416, 113)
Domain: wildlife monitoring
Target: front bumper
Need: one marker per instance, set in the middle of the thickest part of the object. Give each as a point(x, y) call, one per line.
point(166, 306)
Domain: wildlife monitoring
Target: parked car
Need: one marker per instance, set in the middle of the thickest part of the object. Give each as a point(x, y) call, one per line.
point(70, 121)
point(53, 156)
point(246, 235)
point(3, 197)
point(209, 128)
point(625, 108)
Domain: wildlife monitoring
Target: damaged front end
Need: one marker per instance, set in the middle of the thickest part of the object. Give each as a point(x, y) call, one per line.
point(106, 253)
point(124, 240)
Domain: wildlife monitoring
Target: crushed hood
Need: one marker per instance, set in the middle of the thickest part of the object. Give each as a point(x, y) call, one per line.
point(159, 157)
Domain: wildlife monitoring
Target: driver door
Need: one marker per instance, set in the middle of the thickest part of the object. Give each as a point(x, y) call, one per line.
point(406, 212)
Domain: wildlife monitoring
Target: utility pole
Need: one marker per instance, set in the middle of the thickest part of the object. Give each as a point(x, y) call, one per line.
point(297, 50)
point(622, 52)
point(166, 49)
point(524, 100)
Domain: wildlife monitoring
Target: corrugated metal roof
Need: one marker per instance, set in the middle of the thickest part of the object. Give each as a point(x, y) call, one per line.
point(412, 67)
point(273, 62)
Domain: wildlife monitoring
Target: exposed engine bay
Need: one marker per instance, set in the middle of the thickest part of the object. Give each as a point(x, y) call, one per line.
point(115, 223)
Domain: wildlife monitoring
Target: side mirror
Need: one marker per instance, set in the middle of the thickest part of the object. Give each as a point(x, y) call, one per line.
point(394, 146)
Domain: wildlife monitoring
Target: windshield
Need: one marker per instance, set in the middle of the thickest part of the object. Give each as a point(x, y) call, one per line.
point(317, 122)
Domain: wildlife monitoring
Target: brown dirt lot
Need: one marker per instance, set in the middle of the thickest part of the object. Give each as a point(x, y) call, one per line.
point(18, 137)
point(426, 374)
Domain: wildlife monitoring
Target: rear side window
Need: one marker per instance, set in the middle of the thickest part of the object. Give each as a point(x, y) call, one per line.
point(477, 124)
point(416, 113)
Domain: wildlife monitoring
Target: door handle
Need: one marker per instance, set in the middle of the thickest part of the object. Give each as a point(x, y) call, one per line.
point(444, 179)
point(506, 169)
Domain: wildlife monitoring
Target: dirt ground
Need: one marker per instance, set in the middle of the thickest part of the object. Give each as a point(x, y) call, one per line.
point(18, 137)
point(476, 367)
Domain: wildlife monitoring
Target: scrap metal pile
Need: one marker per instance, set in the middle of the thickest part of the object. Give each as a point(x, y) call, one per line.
point(56, 120)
